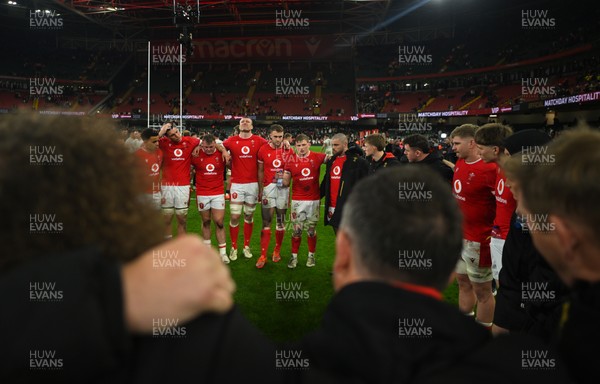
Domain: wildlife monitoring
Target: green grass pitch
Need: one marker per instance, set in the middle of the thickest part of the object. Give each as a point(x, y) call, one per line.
point(277, 315)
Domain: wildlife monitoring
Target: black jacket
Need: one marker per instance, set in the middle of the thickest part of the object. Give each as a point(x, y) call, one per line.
point(354, 169)
point(360, 340)
point(578, 333)
point(76, 315)
point(376, 333)
point(519, 308)
point(387, 160)
point(434, 161)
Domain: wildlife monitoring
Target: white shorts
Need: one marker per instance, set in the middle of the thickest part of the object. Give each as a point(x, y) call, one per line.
point(244, 193)
point(468, 264)
point(175, 196)
point(305, 212)
point(274, 197)
point(206, 203)
point(496, 247)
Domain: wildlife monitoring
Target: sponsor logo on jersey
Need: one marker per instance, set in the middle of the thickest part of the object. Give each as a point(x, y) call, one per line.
point(457, 186)
point(305, 172)
point(500, 187)
point(336, 170)
point(178, 152)
point(210, 167)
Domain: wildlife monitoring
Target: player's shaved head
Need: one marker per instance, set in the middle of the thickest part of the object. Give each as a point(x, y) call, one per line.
point(341, 137)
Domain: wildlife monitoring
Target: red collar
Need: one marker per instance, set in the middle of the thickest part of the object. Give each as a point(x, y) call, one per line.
point(420, 289)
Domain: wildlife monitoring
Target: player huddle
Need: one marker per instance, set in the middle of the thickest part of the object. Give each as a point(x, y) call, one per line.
point(261, 170)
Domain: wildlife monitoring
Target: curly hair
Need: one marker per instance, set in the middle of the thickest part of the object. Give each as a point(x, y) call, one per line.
point(69, 183)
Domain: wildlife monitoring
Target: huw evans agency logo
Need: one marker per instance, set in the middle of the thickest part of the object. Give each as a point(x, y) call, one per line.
point(534, 87)
point(290, 86)
point(537, 19)
point(45, 19)
point(291, 19)
point(290, 291)
point(44, 86)
point(413, 123)
point(44, 155)
point(413, 191)
point(43, 359)
point(413, 55)
point(166, 55)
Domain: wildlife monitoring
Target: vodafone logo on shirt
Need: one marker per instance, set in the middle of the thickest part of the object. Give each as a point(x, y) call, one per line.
point(337, 170)
point(305, 172)
point(155, 167)
point(178, 152)
point(457, 186)
point(500, 188)
point(210, 167)
point(276, 163)
point(245, 150)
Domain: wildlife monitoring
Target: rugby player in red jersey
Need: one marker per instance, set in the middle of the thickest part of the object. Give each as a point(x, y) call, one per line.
point(209, 166)
point(151, 158)
point(304, 170)
point(275, 197)
point(175, 184)
point(490, 143)
point(244, 183)
point(473, 188)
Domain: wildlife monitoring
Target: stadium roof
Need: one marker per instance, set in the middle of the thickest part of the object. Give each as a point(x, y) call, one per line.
point(154, 19)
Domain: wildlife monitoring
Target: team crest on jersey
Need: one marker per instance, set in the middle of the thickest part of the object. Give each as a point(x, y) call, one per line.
point(234, 195)
point(201, 205)
point(265, 201)
point(471, 177)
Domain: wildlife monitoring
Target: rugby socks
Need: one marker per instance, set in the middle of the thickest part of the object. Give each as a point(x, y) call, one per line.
point(223, 249)
point(247, 232)
point(265, 239)
point(233, 233)
point(312, 244)
point(295, 246)
point(207, 242)
point(279, 234)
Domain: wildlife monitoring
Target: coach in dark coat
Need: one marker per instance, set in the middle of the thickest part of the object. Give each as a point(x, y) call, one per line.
point(354, 169)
